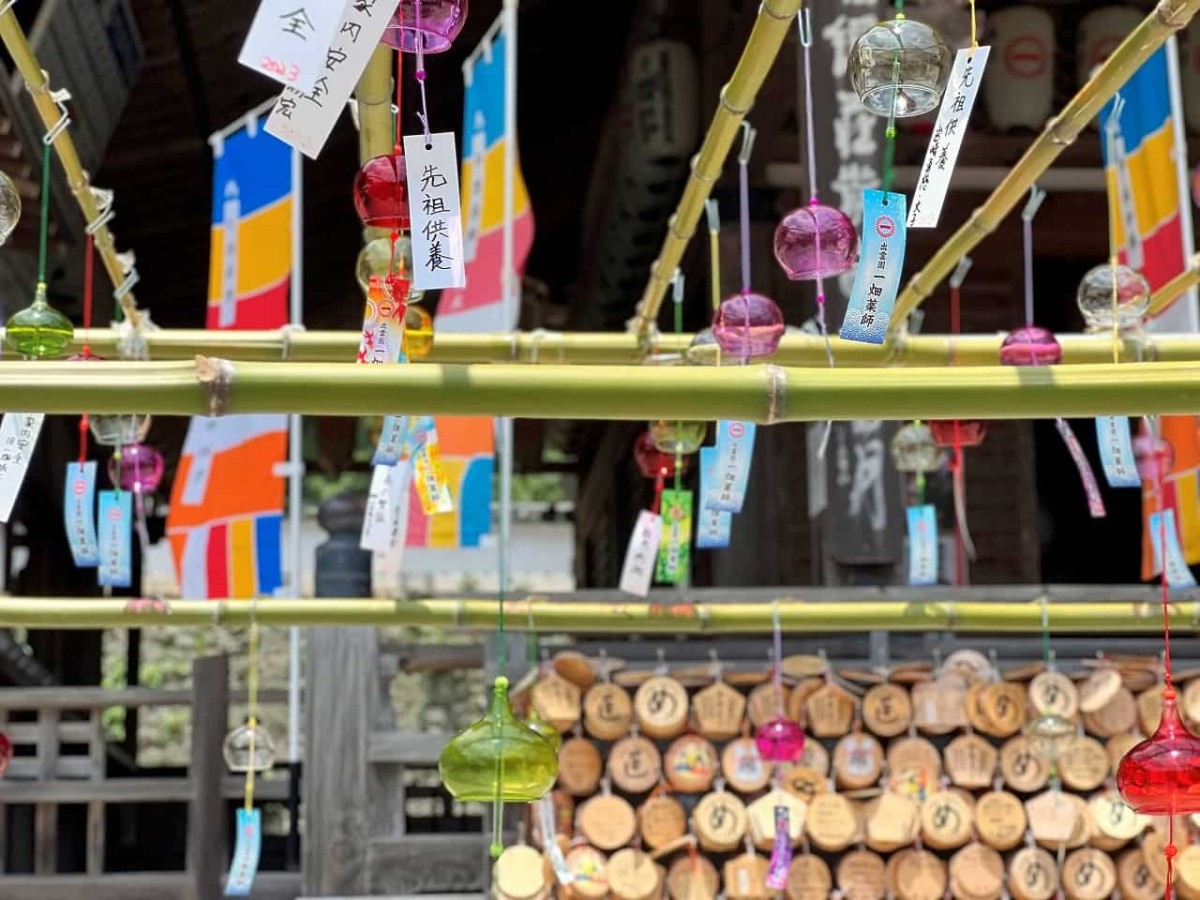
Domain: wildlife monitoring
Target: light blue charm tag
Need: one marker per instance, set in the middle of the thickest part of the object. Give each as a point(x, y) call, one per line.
point(1178, 573)
point(712, 525)
point(1116, 452)
point(246, 852)
point(391, 441)
point(880, 264)
point(922, 545)
point(116, 539)
point(731, 470)
point(79, 513)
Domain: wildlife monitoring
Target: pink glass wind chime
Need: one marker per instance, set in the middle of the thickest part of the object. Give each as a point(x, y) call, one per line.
point(779, 740)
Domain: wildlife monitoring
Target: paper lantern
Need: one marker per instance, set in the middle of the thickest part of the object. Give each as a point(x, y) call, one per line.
point(960, 432)
point(39, 331)
point(748, 326)
point(237, 753)
point(779, 740)
point(1161, 775)
point(428, 25)
point(375, 258)
point(914, 450)
point(652, 462)
point(1021, 94)
point(912, 88)
point(815, 241)
point(10, 207)
point(1030, 346)
point(678, 437)
point(381, 192)
point(418, 333)
point(137, 468)
point(1095, 298)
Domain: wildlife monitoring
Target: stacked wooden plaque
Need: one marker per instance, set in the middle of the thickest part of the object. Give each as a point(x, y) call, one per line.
point(915, 783)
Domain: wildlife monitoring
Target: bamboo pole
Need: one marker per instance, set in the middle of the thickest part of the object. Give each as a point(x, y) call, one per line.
point(775, 18)
point(624, 348)
point(36, 81)
point(633, 617)
point(760, 393)
point(1175, 288)
point(1168, 17)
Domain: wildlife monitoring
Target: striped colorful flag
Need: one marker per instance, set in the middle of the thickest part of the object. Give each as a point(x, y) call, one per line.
point(226, 513)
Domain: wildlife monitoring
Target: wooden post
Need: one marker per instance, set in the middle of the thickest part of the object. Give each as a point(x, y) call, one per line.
point(45, 827)
point(207, 838)
point(98, 752)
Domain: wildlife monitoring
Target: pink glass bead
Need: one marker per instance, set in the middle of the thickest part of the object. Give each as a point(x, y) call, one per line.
point(431, 25)
point(779, 740)
point(967, 432)
point(139, 470)
point(381, 192)
point(6, 752)
point(748, 326)
point(652, 462)
point(815, 242)
point(1161, 775)
point(1030, 346)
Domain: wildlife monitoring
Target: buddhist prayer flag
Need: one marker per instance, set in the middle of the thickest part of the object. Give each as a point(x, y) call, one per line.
point(226, 512)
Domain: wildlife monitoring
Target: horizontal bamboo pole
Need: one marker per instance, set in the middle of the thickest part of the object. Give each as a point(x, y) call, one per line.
point(775, 20)
point(632, 617)
point(762, 393)
point(621, 348)
point(1175, 288)
point(1168, 17)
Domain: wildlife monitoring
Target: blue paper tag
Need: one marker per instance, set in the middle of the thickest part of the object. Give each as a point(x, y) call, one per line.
point(712, 525)
point(731, 470)
point(877, 280)
point(245, 853)
point(116, 537)
point(922, 545)
point(79, 513)
point(1116, 452)
point(1178, 573)
point(391, 441)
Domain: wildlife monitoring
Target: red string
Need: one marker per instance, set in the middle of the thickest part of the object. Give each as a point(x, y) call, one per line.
point(1162, 559)
point(399, 98)
point(658, 491)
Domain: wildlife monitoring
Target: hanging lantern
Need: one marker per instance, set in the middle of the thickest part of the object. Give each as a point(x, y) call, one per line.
point(748, 326)
point(914, 450)
point(418, 333)
point(10, 207)
point(675, 438)
point(1155, 457)
point(375, 258)
point(652, 462)
point(381, 192)
point(39, 331)
point(960, 432)
point(428, 25)
point(779, 740)
point(6, 752)
point(1023, 94)
point(1030, 346)
point(1161, 775)
point(899, 67)
point(1048, 735)
point(237, 752)
point(137, 468)
point(703, 350)
point(814, 242)
point(1095, 298)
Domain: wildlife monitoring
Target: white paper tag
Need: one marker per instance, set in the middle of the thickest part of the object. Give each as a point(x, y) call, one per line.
point(562, 872)
point(79, 513)
point(947, 138)
point(434, 204)
point(18, 436)
point(398, 490)
point(305, 119)
point(1178, 573)
point(288, 40)
point(378, 521)
point(1116, 452)
point(642, 554)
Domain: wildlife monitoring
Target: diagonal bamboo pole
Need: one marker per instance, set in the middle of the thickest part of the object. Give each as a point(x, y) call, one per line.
point(761, 393)
point(1175, 288)
point(1168, 17)
point(633, 617)
point(775, 18)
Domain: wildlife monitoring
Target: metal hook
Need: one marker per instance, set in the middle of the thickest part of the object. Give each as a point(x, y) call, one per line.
point(6, 6)
point(714, 217)
point(749, 133)
point(1036, 196)
point(100, 221)
point(804, 23)
point(1112, 124)
point(127, 285)
point(960, 272)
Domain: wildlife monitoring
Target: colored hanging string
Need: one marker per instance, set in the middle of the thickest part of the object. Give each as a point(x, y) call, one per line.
point(45, 225)
point(1036, 196)
point(1152, 431)
point(252, 708)
point(1112, 127)
point(748, 135)
point(964, 546)
point(398, 119)
point(920, 479)
point(677, 297)
point(804, 24)
point(974, 32)
point(714, 261)
point(777, 637)
point(889, 133)
point(423, 115)
point(86, 351)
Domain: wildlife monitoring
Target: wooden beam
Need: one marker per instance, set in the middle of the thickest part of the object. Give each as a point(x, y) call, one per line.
point(206, 840)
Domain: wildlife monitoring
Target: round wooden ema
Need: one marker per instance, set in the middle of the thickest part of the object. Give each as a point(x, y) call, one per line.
point(861, 876)
point(1032, 874)
point(634, 764)
point(760, 818)
point(1098, 689)
point(607, 821)
point(519, 873)
point(1088, 874)
point(1117, 716)
point(690, 764)
point(969, 665)
point(1083, 763)
point(892, 821)
point(831, 823)
point(798, 699)
point(556, 701)
point(999, 820)
point(661, 820)
point(1149, 708)
point(971, 762)
point(719, 821)
point(1113, 819)
point(977, 873)
point(946, 820)
point(1054, 817)
point(887, 710)
point(1117, 747)
point(814, 757)
point(564, 818)
point(1004, 709)
point(803, 783)
point(1154, 845)
point(580, 767)
point(916, 875)
point(692, 877)
point(764, 703)
point(809, 878)
point(1134, 877)
point(607, 711)
point(914, 766)
point(589, 871)
point(1053, 693)
point(1187, 872)
point(829, 712)
point(632, 875)
point(973, 708)
point(575, 667)
point(718, 711)
point(804, 665)
point(857, 761)
point(1022, 768)
point(661, 707)
point(743, 766)
point(1189, 704)
point(938, 706)
point(746, 877)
